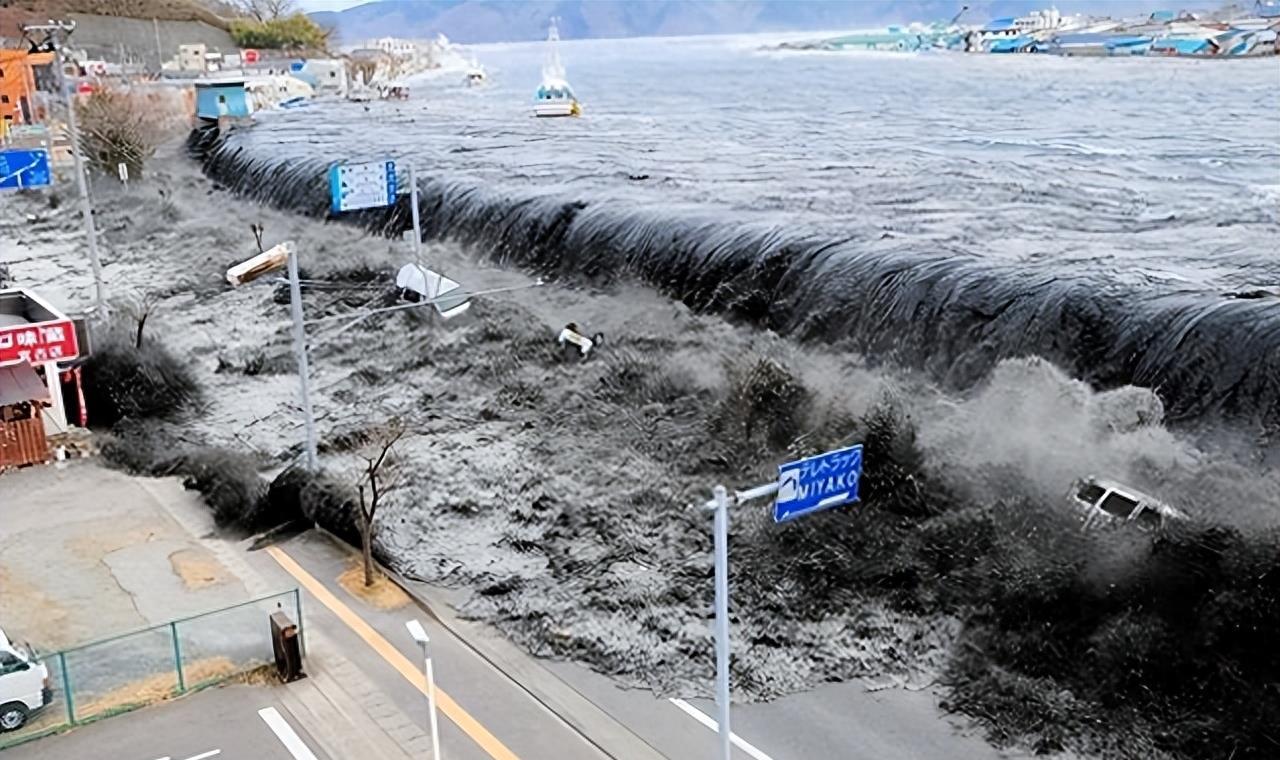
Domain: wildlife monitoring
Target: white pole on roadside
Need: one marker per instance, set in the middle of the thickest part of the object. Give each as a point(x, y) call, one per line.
point(91, 232)
point(720, 504)
point(722, 617)
point(155, 24)
point(417, 224)
point(300, 347)
point(419, 635)
point(431, 703)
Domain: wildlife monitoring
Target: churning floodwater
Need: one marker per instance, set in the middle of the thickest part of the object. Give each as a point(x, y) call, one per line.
point(1118, 217)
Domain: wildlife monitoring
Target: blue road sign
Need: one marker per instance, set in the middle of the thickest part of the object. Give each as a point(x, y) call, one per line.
point(816, 483)
point(357, 186)
point(24, 168)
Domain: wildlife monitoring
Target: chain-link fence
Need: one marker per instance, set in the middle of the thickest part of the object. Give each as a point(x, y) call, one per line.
point(122, 673)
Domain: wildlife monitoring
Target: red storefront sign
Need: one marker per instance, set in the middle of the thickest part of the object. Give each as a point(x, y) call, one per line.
point(249, 56)
point(39, 342)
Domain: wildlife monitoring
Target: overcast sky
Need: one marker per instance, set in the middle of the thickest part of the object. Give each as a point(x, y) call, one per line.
point(329, 5)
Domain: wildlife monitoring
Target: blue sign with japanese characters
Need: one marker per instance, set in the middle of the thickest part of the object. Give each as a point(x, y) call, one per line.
point(357, 186)
point(816, 483)
point(24, 168)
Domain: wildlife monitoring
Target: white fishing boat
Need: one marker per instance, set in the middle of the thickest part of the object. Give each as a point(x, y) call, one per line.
point(554, 96)
point(476, 75)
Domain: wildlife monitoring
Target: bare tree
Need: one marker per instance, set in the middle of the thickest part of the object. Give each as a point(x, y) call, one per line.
point(257, 229)
point(265, 10)
point(139, 307)
point(124, 127)
point(379, 477)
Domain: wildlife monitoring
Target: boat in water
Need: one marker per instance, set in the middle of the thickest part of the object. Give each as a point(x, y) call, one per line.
point(476, 75)
point(554, 96)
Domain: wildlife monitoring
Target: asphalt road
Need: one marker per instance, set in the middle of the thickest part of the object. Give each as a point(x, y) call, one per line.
point(487, 702)
point(215, 724)
point(838, 720)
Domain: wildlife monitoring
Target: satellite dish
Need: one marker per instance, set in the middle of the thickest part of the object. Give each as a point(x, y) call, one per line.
point(417, 283)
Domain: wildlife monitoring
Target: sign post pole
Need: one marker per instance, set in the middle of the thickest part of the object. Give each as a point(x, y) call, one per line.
point(300, 346)
point(803, 487)
point(721, 498)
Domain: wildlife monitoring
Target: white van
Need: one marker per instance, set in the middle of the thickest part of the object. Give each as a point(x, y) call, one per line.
point(1106, 501)
point(24, 685)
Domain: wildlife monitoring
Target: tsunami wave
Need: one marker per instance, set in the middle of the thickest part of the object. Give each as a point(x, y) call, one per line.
point(1212, 357)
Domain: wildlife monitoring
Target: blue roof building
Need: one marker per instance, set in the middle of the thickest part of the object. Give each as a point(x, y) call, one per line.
point(1181, 46)
point(216, 98)
point(1000, 26)
point(1023, 44)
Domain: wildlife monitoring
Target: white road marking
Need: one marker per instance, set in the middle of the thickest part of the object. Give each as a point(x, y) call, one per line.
point(714, 725)
point(200, 756)
point(285, 733)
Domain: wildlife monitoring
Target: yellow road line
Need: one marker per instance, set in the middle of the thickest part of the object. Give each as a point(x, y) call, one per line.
point(478, 733)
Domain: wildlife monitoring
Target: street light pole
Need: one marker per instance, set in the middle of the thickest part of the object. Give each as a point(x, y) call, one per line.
point(420, 635)
point(300, 348)
point(722, 617)
point(55, 31)
point(431, 702)
point(417, 224)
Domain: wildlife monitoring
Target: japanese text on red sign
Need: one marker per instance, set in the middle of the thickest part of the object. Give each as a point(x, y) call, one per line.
point(46, 342)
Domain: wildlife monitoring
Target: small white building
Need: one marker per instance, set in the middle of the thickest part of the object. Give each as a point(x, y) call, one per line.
point(400, 48)
point(192, 57)
point(327, 75)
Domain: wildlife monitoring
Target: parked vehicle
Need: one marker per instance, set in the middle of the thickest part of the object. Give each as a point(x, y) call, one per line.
point(24, 685)
point(1102, 502)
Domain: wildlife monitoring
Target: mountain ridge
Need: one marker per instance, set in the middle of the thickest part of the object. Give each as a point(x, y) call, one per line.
point(475, 21)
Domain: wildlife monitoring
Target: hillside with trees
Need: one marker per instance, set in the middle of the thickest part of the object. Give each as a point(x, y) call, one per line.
point(268, 24)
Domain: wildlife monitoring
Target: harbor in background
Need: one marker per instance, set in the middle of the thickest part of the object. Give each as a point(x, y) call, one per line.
point(1233, 31)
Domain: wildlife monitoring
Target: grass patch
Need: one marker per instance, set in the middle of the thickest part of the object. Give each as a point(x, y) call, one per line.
point(156, 688)
point(384, 594)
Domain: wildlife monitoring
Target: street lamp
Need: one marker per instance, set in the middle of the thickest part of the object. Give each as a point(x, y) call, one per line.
point(286, 254)
point(54, 31)
point(419, 635)
point(447, 299)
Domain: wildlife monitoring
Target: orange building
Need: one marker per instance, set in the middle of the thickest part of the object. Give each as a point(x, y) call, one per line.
point(18, 86)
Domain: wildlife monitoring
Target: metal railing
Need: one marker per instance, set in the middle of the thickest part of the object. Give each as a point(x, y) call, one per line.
point(122, 673)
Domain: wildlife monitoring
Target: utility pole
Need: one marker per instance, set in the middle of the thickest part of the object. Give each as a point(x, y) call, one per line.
point(300, 347)
point(53, 31)
point(159, 48)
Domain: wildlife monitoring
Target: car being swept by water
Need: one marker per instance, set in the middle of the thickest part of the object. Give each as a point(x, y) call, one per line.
point(1103, 502)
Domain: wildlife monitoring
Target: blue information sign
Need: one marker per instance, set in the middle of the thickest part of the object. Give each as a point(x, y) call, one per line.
point(817, 483)
point(24, 168)
point(357, 186)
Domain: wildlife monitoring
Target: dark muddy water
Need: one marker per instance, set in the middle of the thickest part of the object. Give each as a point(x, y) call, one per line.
point(941, 210)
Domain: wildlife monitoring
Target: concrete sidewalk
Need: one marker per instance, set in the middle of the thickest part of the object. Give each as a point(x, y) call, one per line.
point(88, 553)
point(338, 703)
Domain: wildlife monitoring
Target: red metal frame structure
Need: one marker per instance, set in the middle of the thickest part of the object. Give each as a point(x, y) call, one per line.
point(22, 437)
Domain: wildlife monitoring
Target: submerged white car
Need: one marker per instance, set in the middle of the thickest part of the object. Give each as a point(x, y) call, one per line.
point(24, 685)
point(1102, 502)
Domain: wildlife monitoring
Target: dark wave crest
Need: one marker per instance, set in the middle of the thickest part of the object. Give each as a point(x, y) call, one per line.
point(1210, 356)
